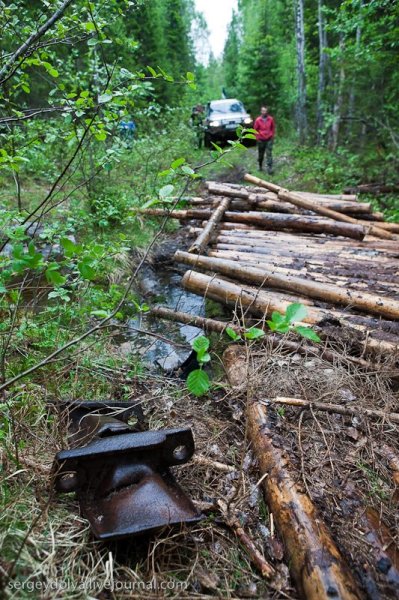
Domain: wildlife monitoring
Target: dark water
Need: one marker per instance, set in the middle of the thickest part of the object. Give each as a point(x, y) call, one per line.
point(161, 285)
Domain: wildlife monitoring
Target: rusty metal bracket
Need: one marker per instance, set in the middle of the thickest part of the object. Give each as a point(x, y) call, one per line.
point(121, 477)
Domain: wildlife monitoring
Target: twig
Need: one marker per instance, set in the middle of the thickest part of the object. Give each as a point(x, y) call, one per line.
point(214, 464)
point(334, 408)
point(256, 557)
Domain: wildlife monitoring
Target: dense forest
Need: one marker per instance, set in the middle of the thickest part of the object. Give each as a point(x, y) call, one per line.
point(76, 248)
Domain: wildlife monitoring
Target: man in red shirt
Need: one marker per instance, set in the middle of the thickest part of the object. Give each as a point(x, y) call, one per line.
point(264, 125)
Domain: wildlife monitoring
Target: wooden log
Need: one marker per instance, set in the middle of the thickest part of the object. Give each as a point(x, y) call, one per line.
point(263, 304)
point(257, 189)
point(314, 561)
point(258, 302)
point(331, 202)
point(337, 408)
point(203, 239)
point(344, 197)
point(392, 227)
point(270, 221)
point(371, 303)
point(313, 206)
point(382, 547)
point(277, 340)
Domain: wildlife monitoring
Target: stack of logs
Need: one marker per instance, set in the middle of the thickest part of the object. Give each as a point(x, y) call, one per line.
point(262, 247)
point(257, 249)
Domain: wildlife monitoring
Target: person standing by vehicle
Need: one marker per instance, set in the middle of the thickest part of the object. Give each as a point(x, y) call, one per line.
point(265, 128)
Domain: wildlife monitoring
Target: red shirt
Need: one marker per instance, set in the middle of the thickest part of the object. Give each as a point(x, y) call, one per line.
point(265, 128)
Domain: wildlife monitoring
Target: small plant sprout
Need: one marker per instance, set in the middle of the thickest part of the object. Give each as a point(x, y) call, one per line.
point(280, 323)
point(295, 313)
point(198, 382)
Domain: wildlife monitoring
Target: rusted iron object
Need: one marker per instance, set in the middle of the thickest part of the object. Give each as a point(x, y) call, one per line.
point(121, 477)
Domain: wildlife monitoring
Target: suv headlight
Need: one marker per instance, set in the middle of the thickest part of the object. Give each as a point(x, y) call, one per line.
point(247, 121)
point(214, 123)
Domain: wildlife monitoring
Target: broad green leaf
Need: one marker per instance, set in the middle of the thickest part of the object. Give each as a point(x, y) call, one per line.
point(203, 356)
point(86, 270)
point(232, 334)
point(187, 170)
point(295, 312)
point(53, 274)
point(277, 317)
point(200, 343)
point(152, 71)
point(100, 314)
point(166, 191)
point(101, 136)
point(254, 333)
point(198, 382)
point(70, 248)
point(307, 333)
point(104, 98)
point(177, 163)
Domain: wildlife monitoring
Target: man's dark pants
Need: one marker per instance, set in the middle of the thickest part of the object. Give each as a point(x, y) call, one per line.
point(265, 146)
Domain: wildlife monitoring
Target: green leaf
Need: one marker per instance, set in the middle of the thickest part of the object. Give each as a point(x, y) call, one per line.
point(282, 327)
point(70, 248)
point(253, 333)
point(86, 270)
point(89, 26)
point(104, 98)
point(187, 170)
point(295, 312)
point(200, 343)
point(100, 314)
point(53, 274)
point(152, 71)
point(232, 334)
point(307, 333)
point(190, 76)
point(166, 191)
point(177, 163)
point(198, 382)
point(277, 317)
point(101, 136)
point(203, 356)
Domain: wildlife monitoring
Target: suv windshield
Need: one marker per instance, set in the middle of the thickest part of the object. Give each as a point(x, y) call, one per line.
point(226, 107)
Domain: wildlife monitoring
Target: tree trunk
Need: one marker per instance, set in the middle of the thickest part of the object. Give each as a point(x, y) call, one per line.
point(322, 72)
point(351, 103)
point(302, 121)
point(339, 101)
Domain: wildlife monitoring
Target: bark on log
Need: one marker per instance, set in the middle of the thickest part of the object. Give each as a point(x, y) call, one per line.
point(203, 239)
point(344, 197)
point(314, 560)
point(310, 205)
point(333, 202)
point(260, 303)
point(371, 303)
point(257, 189)
point(263, 304)
point(271, 221)
point(382, 548)
point(337, 408)
point(277, 341)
